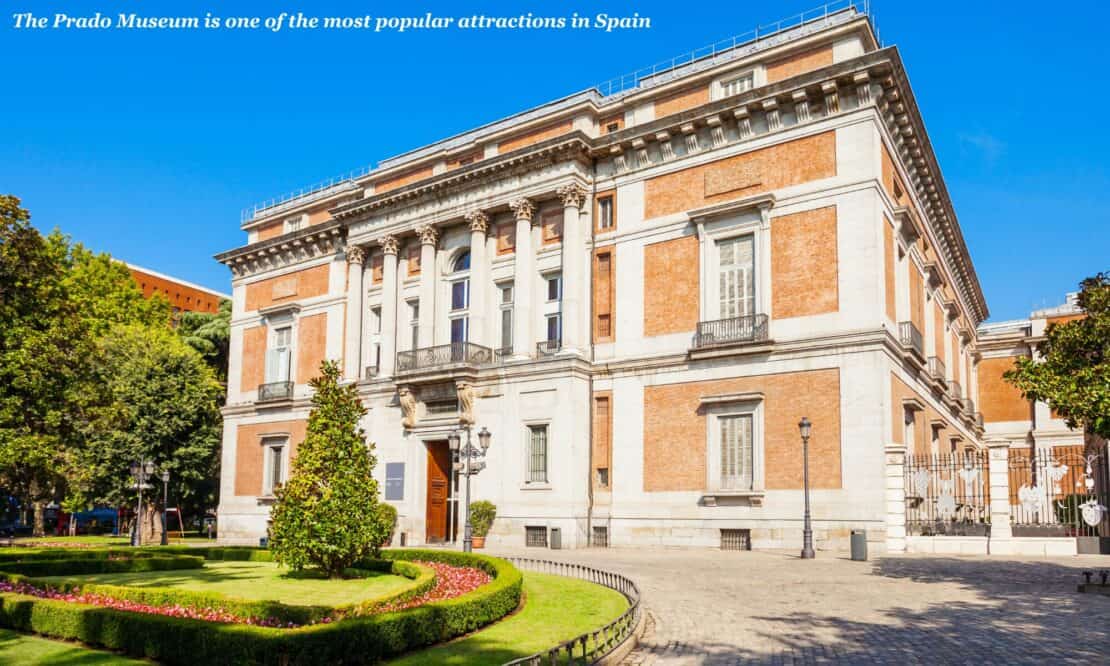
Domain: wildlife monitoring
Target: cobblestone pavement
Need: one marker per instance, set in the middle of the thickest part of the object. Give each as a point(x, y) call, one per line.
point(712, 607)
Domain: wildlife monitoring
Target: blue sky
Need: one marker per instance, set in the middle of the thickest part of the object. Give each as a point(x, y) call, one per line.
point(148, 144)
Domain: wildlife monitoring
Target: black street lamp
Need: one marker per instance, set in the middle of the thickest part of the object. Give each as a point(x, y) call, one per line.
point(165, 505)
point(141, 470)
point(804, 427)
point(468, 462)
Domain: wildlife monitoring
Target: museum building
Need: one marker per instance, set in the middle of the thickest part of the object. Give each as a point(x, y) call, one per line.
point(638, 291)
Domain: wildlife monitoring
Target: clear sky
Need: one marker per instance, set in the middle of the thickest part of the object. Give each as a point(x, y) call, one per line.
point(147, 144)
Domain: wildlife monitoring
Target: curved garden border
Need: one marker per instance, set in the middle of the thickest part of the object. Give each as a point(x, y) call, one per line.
point(615, 638)
point(352, 640)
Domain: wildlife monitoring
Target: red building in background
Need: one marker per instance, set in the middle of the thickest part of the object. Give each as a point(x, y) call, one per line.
point(183, 296)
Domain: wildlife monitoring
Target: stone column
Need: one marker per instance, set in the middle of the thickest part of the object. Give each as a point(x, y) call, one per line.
point(352, 352)
point(896, 498)
point(479, 277)
point(574, 277)
point(1002, 532)
point(428, 237)
point(524, 264)
point(390, 245)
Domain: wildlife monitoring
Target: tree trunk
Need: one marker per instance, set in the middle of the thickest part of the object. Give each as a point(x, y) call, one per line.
point(39, 525)
point(152, 524)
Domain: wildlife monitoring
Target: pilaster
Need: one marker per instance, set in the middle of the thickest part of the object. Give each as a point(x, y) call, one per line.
point(352, 352)
point(389, 245)
point(524, 263)
point(428, 239)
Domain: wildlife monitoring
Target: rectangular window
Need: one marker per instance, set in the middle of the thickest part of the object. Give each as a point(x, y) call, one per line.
point(736, 277)
point(293, 224)
point(274, 449)
point(460, 295)
point(414, 308)
point(535, 536)
point(603, 477)
point(554, 328)
point(605, 212)
point(737, 85)
point(537, 454)
point(459, 329)
point(554, 287)
point(603, 296)
point(507, 328)
point(395, 481)
point(737, 452)
point(279, 354)
point(376, 320)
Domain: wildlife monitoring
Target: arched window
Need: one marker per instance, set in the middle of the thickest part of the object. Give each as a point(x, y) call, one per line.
point(462, 262)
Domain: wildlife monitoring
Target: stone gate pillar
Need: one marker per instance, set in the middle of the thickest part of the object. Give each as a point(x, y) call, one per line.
point(896, 498)
point(1002, 533)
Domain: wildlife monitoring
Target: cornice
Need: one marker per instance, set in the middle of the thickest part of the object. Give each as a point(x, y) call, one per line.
point(308, 243)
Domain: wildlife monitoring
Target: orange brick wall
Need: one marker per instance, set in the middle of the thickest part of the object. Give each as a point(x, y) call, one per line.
point(248, 451)
point(534, 136)
point(799, 63)
point(671, 286)
point(763, 170)
point(180, 296)
point(253, 358)
point(617, 120)
point(400, 180)
point(268, 231)
point(923, 420)
point(675, 430)
point(604, 296)
point(998, 399)
point(938, 332)
point(288, 288)
point(804, 263)
point(888, 270)
point(312, 333)
point(917, 298)
point(463, 160)
point(682, 100)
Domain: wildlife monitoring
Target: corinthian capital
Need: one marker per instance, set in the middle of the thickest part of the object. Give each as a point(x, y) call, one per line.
point(356, 254)
point(573, 195)
point(524, 209)
point(428, 234)
point(390, 244)
point(477, 220)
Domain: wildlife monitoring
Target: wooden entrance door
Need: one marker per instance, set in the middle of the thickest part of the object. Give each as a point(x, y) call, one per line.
point(439, 467)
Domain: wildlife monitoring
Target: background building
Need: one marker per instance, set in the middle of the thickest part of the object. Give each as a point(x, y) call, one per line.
point(183, 296)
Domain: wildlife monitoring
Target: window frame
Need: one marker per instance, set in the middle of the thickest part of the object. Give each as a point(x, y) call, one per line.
point(414, 321)
point(529, 428)
point(748, 221)
point(557, 278)
point(739, 406)
point(509, 308)
point(611, 197)
point(274, 325)
point(547, 318)
point(270, 443)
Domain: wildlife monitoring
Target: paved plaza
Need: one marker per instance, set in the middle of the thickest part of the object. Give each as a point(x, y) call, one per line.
point(712, 607)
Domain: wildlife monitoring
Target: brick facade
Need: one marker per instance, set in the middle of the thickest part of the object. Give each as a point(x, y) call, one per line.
point(307, 283)
point(671, 286)
point(804, 271)
point(799, 63)
point(249, 454)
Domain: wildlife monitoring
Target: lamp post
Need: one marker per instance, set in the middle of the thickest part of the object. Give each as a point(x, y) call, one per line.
point(165, 505)
point(804, 427)
point(468, 462)
point(141, 470)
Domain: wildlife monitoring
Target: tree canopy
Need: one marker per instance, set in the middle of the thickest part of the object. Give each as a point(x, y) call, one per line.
point(1072, 373)
point(326, 514)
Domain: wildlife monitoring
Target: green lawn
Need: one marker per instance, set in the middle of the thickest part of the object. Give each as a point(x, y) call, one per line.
point(23, 650)
point(259, 580)
point(555, 609)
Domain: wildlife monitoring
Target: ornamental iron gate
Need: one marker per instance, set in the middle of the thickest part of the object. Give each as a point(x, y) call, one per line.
point(947, 494)
point(1059, 492)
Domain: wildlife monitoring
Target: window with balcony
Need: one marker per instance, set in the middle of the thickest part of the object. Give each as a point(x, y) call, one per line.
point(460, 298)
point(736, 277)
point(279, 354)
point(414, 322)
point(554, 327)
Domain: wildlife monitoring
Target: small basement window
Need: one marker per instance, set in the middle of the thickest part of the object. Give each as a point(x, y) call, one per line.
point(601, 536)
point(736, 539)
point(535, 537)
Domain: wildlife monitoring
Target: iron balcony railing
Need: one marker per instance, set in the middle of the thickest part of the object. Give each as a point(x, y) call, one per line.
point(548, 348)
point(275, 391)
point(749, 328)
point(503, 354)
point(371, 372)
point(911, 338)
point(936, 368)
point(955, 390)
point(443, 356)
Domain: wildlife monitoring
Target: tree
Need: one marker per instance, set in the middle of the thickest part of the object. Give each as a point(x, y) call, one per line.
point(210, 334)
point(326, 515)
point(1072, 374)
point(158, 400)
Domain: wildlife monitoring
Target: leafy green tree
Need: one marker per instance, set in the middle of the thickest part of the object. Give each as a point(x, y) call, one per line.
point(326, 515)
point(210, 334)
point(1072, 374)
point(158, 400)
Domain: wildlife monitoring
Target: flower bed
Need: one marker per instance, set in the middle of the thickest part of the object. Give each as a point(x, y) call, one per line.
point(476, 591)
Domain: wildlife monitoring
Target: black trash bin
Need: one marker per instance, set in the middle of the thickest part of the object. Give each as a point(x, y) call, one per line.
point(859, 545)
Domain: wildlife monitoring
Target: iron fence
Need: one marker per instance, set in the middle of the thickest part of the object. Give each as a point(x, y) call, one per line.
point(948, 494)
point(591, 646)
point(275, 391)
point(749, 328)
point(1059, 492)
point(441, 356)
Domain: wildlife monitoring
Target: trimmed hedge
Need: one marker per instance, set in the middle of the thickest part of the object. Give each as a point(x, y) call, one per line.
point(355, 640)
point(84, 567)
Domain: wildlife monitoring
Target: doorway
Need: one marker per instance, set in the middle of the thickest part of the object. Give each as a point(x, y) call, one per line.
point(439, 469)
